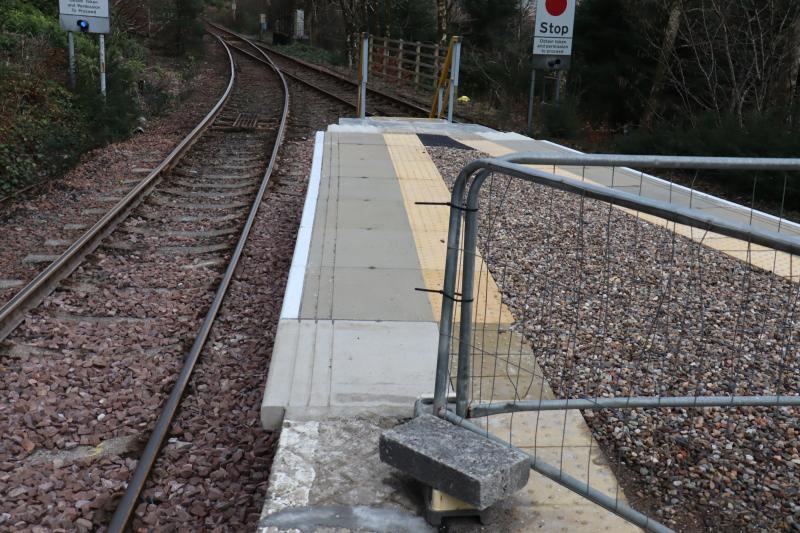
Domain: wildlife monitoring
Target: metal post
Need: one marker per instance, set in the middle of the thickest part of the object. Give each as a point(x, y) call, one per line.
point(464, 378)
point(363, 74)
point(71, 43)
point(454, 70)
point(400, 60)
point(558, 87)
point(436, 52)
point(262, 27)
point(441, 103)
point(416, 67)
point(530, 101)
point(103, 65)
point(385, 55)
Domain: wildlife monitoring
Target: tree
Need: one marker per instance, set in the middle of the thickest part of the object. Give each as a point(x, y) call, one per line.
point(664, 53)
point(731, 57)
point(444, 11)
point(610, 74)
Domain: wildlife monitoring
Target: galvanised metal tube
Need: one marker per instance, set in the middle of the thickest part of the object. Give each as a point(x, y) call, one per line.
point(467, 290)
point(683, 215)
point(130, 499)
point(511, 165)
point(575, 485)
point(467, 300)
point(631, 402)
point(656, 161)
point(450, 273)
point(449, 288)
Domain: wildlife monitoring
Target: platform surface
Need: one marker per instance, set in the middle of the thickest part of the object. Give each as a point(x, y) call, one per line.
point(356, 343)
point(356, 346)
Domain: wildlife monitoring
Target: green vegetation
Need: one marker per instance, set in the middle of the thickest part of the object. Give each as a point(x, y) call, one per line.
point(44, 126)
point(313, 54)
point(684, 77)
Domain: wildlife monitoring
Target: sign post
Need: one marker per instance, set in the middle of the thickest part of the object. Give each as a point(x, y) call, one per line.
point(262, 28)
point(85, 16)
point(71, 46)
point(103, 65)
point(552, 42)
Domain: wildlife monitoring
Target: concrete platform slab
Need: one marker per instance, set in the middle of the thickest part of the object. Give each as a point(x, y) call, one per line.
point(345, 366)
point(358, 344)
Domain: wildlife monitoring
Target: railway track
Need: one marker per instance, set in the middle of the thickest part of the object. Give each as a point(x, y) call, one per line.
point(91, 346)
point(333, 84)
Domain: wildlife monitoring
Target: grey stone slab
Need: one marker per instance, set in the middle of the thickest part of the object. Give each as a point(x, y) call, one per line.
point(353, 154)
point(369, 189)
point(375, 248)
point(357, 138)
point(382, 363)
point(454, 460)
point(355, 214)
point(317, 299)
point(348, 368)
point(379, 294)
point(378, 170)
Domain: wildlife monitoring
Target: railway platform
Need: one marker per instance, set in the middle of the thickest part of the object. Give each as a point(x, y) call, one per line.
point(356, 343)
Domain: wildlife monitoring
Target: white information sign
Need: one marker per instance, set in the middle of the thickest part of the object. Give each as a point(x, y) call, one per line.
point(89, 16)
point(555, 21)
point(299, 24)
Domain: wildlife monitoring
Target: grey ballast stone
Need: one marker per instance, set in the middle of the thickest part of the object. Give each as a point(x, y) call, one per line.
point(455, 460)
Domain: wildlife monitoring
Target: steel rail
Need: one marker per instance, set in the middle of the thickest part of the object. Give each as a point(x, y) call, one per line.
point(290, 75)
point(30, 296)
point(327, 72)
point(322, 70)
point(129, 500)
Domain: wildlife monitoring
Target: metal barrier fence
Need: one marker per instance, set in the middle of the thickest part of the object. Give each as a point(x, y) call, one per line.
point(575, 283)
point(414, 64)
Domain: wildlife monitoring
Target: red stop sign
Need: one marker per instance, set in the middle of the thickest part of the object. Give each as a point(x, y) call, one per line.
point(556, 7)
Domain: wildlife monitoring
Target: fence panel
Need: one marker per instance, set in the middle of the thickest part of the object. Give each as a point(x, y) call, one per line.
point(593, 313)
point(414, 65)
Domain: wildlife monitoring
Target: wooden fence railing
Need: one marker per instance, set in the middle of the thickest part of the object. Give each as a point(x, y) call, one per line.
point(414, 64)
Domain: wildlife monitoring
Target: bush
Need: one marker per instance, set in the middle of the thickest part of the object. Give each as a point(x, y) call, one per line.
point(312, 53)
point(44, 128)
point(561, 121)
point(759, 136)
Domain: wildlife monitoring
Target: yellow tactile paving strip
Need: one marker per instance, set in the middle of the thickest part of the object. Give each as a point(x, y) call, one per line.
point(420, 181)
point(780, 263)
point(507, 369)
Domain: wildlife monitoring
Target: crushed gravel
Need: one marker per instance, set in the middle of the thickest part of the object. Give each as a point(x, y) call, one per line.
point(47, 220)
point(214, 472)
point(617, 306)
point(85, 374)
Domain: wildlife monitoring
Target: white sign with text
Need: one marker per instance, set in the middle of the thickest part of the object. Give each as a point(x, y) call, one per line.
point(89, 16)
point(555, 21)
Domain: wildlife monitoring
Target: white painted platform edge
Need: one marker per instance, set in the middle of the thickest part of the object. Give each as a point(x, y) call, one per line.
point(503, 136)
point(687, 189)
point(354, 128)
point(294, 286)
